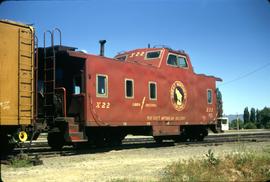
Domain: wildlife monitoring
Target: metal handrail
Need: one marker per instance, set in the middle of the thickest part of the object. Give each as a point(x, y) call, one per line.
point(44, 40)
point(36, 75)
point(64, 99)
point(60, 34)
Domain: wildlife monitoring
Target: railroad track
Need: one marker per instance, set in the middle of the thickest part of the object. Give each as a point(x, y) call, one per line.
point(41, 148)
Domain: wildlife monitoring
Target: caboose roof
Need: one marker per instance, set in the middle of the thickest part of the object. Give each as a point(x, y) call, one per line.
point(140, 56)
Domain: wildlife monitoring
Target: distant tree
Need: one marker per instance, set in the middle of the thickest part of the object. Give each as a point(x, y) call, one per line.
point(246, 115)
point(265, 117)
point(258, 119)
point(233, 124)
point(252, 115)
point(219, 103)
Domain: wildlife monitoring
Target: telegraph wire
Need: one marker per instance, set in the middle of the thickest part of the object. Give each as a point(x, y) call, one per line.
point(1, 1)
point(247, 74)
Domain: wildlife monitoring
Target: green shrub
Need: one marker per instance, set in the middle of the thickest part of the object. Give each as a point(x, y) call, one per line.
point(211, 160)
point(21, 160)
point(250, 125)
point(267, 125)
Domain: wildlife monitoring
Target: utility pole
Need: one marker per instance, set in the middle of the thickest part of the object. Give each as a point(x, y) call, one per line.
point(237, 121)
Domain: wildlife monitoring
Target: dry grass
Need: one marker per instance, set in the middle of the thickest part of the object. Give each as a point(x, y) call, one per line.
point(237, 166)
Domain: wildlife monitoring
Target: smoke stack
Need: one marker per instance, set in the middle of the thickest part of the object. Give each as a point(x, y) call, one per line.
point(102, 43)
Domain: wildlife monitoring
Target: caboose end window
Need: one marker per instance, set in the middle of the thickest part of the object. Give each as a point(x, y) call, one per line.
point(172, 60)
point(209, 96)
point(129, 88)
point(177, 61)
point(102, 86)
point(182, 62)
point(121, 58)
point(152, 91)
point(152, 55)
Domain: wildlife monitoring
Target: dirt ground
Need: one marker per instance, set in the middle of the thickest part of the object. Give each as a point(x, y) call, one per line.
point(142, 164)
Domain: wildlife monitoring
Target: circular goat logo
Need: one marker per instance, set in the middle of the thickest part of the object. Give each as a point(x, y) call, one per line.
point(178, 95)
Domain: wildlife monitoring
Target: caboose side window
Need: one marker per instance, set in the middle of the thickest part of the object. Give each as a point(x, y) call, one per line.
point(102, 86)
point(129, 88)
point(209, 96)
point(152, 90)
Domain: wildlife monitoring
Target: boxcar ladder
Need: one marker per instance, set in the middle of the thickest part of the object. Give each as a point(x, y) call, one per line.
point(26, 77)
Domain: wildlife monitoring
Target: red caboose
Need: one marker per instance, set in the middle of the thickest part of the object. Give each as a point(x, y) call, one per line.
point(149, 91)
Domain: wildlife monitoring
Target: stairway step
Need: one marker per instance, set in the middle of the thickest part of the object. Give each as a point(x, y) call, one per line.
point(77, 137)
point(73, 128)
point(70, 120)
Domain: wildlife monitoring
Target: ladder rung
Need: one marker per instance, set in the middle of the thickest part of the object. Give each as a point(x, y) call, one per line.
point(48, 81)
point(26, 43)
point(49, 57)
point(25, 110)
point(23, 118)
point(48, 105)
point(49, 69)
point(26, 83)
point(26, 56)
point(23, 69)
point(48, 93)
point(26, 96)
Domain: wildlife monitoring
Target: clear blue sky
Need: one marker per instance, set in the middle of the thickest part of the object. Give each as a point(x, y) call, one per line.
point(225, 38)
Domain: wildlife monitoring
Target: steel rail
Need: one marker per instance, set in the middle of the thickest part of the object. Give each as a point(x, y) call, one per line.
point(42, 149)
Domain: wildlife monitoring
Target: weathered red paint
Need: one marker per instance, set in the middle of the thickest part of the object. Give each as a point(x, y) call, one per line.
point(116, 110)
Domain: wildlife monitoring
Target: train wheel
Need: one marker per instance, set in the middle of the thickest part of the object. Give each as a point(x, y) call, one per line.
point(56, 140)
point(180, 138)
point(201, 132)
point(114, 138)
point(200, 138)
point(158, 140)
point(99, 140)
point(115, 141)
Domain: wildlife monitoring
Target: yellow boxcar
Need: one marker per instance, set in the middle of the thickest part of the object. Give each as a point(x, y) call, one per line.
point(16, 75)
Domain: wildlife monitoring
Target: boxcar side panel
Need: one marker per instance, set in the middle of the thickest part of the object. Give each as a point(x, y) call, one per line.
point(16, 73)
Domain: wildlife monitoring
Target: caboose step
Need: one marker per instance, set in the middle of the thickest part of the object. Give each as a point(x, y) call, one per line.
point(73, 128)
point(77, 137)
point(70, 120)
